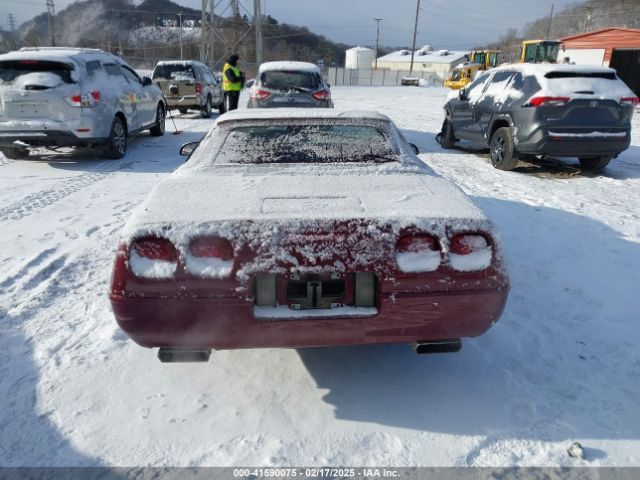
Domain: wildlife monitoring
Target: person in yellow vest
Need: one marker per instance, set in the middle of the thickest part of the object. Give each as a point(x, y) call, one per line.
point(232, 82)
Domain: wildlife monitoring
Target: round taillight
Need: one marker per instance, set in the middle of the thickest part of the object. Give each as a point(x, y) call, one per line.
point(211, 247)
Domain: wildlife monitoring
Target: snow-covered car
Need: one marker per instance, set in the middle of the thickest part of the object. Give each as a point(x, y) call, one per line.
point(290, 228)
point(188, 84)
point(289, 84)
point(54, 97)
point(543, 110)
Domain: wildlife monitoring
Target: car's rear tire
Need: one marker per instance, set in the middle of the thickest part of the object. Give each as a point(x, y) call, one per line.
point(502, 148)
point(594, 164)
point(183, 110)
point(448, 137)
point(158, 129)
point(117, 145)
point(205, 111)
point(222, 108)
point(15, 153)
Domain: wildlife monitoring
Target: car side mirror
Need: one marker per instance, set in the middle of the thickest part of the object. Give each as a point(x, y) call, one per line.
point(250, 83)
point(462, 94)
point(146, 81)
point(188, 148)
point(414, 147)
point(328, 85)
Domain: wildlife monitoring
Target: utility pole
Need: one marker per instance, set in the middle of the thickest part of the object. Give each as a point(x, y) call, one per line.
point(257, 20)
point(378, 20)
point(587, 19)
point(204, 31)
point(51, 13)
point(212, 28)
point(415, 32)
point(12, 29)
point(180, 32)
point(550, 21)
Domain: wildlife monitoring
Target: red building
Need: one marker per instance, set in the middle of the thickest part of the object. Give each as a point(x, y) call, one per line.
point(615, 47)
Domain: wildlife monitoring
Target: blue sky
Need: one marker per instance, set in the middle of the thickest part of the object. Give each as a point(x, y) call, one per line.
point(443, 23)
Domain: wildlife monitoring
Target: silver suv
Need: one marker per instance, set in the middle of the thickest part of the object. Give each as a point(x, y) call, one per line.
point(55, 97)
point(289, 84)
point(189, 85)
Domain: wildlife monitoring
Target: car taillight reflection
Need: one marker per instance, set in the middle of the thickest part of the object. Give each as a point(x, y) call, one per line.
point(629, 101)
point(322, 95)
point(211, 247)
point(467, 244)
point(548, 101)
point(417, 244)
point(85, 99)
point(156, 249)
point(260, 94)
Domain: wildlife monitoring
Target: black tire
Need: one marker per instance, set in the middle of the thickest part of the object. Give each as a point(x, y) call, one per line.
point(15, 153)
point(222, 108)
point(205, 111)
point(502, 148)
point(594, 164)
point(158, 129)
point(117, 145)
point(448, 137)
point(183, 110)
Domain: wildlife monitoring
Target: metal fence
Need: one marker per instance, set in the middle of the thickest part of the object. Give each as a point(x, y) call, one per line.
point(369, 76)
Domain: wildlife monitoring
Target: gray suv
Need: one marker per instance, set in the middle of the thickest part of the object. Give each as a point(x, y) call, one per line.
point(55, 97)
point(289, 84)
point(543, 110)
point(189, 85)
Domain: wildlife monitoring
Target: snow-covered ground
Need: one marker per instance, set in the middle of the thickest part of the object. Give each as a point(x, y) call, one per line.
point(562, 365)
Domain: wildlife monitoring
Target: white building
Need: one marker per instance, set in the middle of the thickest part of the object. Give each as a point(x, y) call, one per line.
point(425, 60)
point(359, 57)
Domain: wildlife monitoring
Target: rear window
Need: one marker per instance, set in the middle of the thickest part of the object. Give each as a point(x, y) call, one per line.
point(306, 144)
point(290, 80)
point(10, 70)
point(605, 75)
point(171, 71)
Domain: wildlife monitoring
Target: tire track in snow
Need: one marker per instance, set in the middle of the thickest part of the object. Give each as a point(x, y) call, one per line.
point(37, 201)
point(40, 200)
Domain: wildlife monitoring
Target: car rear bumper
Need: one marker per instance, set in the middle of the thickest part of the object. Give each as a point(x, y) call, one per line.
point(48, 138)
point(562, 143)
point(254, 103)
point(230, 323)
point(184, 101)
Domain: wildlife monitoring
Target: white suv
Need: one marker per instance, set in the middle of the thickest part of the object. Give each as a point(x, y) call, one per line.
point(55, 97)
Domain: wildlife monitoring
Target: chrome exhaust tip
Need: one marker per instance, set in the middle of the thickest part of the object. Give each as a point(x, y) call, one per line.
point(451, 345)
point(183, 355)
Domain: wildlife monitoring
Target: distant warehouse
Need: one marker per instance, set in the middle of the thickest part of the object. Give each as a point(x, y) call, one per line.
point(614, 47)
point(440, 62)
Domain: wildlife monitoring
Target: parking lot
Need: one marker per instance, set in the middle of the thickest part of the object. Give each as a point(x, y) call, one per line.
point(561, 365)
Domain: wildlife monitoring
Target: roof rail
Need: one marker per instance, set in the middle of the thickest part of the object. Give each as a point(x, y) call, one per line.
point(49, 49)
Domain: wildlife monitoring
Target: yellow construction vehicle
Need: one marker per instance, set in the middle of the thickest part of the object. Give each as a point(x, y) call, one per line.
point(539, 51)
point(465, 73)
point(462, 75)
point(487, 58)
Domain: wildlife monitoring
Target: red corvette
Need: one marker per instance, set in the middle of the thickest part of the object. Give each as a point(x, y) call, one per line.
point(291, 228)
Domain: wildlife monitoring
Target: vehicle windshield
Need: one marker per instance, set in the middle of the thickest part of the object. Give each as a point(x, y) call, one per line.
point(306, 144)
point(290, 80)
point(456, 75)
point(170, 71)
point(10, 70)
